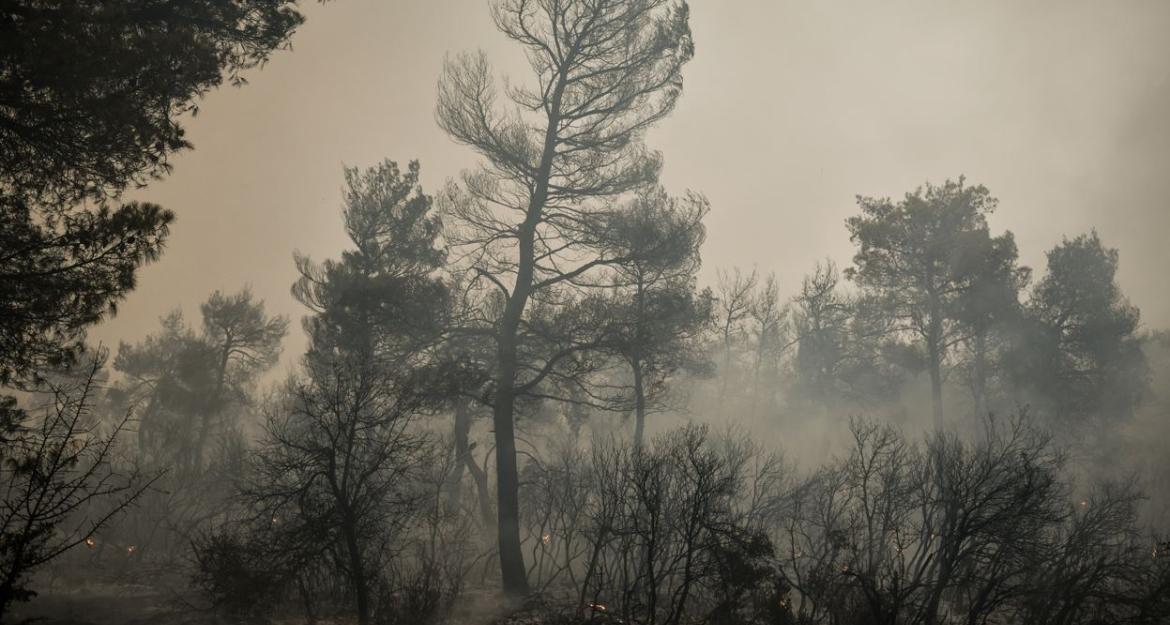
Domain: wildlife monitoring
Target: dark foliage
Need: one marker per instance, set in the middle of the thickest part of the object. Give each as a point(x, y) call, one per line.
point(91, 94)
point(91, 91)
point(61, 273)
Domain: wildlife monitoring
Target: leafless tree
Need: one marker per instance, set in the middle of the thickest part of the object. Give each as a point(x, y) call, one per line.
point(1099, 566)
point(338, 467)
point(58, 482)
point(733, 297)
point(769, 334)
point(670, 532)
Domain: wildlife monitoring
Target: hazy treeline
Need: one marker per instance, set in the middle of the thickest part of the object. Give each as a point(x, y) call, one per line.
point(511, 380)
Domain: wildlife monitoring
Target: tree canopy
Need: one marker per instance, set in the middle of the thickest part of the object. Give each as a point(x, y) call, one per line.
point(92, 96)
point(927, 257)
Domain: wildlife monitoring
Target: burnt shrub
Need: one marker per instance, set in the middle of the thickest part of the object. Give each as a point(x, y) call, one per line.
point(237, 575)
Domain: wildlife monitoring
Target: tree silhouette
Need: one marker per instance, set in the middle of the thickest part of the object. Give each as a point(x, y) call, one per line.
point(1079, 348)
point(922, 256)
point(532, 216)
point(659, 312)
point(91, 96)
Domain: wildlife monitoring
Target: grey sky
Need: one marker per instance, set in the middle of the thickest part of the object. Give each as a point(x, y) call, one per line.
point(790, 109)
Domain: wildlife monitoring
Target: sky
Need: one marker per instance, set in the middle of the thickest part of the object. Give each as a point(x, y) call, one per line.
point(790, 110)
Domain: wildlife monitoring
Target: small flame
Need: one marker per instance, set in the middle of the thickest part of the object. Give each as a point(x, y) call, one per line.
point(91, 543)
point(546, 538)
point(1084, 503)
point(131, 549)
point(276, 520)
point(599, 607)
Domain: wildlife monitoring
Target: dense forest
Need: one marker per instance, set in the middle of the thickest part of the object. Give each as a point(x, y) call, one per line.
point(520, 401)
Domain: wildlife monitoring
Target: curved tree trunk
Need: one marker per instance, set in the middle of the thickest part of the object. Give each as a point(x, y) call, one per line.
point(460, 449)
point(515, 577)
point(464, 460)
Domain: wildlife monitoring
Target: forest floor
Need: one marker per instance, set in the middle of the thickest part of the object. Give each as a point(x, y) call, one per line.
point(104, 603)
point(107, 604)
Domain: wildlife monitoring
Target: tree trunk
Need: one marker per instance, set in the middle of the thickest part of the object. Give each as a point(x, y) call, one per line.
point(8, 587)
point(212, 410)
point(460, 449)
point(515, 578)
point(936, 388)
point(942, 583)
point(979, 378)
point(639, 405)
point(361, 586)
point(726, 368)
point(464, 460)
point(934, 349)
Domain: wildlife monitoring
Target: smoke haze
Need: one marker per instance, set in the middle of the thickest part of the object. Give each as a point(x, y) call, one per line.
point(791, 109)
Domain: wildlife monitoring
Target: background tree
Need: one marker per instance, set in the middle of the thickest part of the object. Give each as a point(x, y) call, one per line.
point(385, 290)
point(917, 255)
point(769, 336)
point(170, 377)
point(987, 308)
point(734, 292)
point(821, 321)
point(655, 304)
point(1079, 350)
point(246, 343)
point(191, 383)
point(847, 352)
point(531, 216)
point(192, 395)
